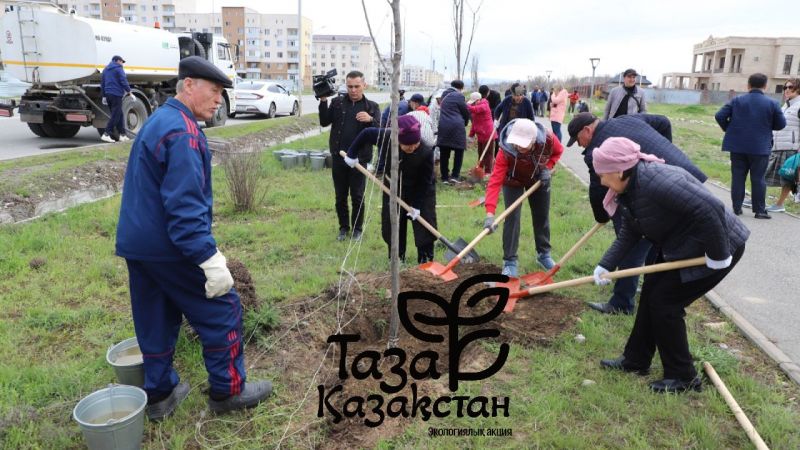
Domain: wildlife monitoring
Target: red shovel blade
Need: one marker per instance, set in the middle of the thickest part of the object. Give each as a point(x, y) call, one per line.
point(540, 278)
point(513, 285)
point(439, 270)
point(477, 202)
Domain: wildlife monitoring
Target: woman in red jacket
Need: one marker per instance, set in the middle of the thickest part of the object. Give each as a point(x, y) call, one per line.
point(483, 127)
point(528, 153)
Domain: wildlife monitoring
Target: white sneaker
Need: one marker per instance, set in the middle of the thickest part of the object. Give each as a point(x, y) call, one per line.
point(124, 138)
point(797, 197)
point(106, 138)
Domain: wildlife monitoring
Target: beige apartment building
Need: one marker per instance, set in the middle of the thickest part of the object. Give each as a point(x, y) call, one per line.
point(146, 13)
point(344, 53)
point(269, 44)
point(722, 64)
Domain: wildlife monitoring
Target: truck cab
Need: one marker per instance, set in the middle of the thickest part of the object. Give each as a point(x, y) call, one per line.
point(216, 50)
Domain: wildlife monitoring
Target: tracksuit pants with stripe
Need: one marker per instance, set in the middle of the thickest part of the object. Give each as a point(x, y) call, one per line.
point(162, 293)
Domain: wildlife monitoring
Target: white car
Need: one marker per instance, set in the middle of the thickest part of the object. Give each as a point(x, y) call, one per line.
point(264, 97)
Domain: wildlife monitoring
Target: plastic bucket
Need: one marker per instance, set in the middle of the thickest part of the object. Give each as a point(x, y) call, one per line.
point(328, 160)
point(112, 418)
point(126, 359)
point(278, 153)
point(317, 162)
point(288, 161)
point(302, 159)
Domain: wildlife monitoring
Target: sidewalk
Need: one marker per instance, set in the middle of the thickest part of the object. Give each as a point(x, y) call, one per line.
point(761, 294)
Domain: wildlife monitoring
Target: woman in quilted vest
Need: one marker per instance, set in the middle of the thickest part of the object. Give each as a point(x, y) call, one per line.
point(785, 144)
point(527, 154)
point(669, 207)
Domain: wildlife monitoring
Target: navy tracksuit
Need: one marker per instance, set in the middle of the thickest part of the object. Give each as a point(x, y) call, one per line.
point(114, 86)
point(164, 233)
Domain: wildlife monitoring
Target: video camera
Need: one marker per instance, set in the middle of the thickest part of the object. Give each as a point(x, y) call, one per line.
point(324, 84)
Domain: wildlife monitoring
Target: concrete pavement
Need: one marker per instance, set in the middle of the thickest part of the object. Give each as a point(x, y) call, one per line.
point(760, 295)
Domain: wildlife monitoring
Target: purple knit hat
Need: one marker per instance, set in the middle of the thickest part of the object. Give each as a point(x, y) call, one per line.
point(408, 130)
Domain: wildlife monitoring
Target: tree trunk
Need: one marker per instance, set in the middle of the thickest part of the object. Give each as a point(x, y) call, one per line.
point(394, 206)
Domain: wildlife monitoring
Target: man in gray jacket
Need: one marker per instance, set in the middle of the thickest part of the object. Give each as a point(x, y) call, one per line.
point(625, 99)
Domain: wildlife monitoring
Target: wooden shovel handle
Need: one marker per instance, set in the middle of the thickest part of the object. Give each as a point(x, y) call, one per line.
point(405, 205)
point(662, 267)
point(580, 243)
point(497, 221)
point(741, 417)
point(488, 144)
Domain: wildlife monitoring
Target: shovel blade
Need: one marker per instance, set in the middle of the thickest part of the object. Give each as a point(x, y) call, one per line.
point(513, 285)
point(439, 270)
point(537, 279)
point(460, 244)
point(478, 202)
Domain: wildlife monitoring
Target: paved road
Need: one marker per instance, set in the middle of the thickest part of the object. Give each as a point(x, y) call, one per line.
point(17, 141)
point(762, 287)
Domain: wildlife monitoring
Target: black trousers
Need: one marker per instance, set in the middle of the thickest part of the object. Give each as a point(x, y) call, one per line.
point(423, 239)
point(659, 321)
point(117, 121)
point(756, 165)
point(348, 181)
point(444, 162)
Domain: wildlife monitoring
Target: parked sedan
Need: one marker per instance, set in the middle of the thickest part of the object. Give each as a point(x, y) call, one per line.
point(264, 97)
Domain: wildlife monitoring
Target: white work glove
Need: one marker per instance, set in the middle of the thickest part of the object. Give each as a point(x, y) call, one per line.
point(413, 214)
point(496, 123)
point(717, 265)
point(105, 102)
point(218, 278)
point(598, 272)
point(350, 161)
point(132, 96)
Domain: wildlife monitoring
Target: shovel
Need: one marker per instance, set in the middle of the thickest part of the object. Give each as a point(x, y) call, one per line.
point(539, 278)
point(477, 173)
point(445, 272)
point(661, 267)
point(458, 246)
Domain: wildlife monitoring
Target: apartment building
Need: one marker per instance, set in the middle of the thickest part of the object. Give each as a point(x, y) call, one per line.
point(269, 44)
point(344, 53)
point(138, 12)
point(410, 76)
point(722, 64)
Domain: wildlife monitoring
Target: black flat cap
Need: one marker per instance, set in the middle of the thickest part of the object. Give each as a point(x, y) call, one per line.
point(197, 67)
point(576, 125)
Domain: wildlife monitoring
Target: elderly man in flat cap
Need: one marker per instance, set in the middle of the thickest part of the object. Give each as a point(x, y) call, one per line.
point(175, 269)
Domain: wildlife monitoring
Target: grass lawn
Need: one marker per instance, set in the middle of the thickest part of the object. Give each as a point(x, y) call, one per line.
point(59, 314)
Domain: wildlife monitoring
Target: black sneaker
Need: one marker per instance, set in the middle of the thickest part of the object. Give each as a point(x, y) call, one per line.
point(254, 393)
point(357, 235)
point(608, 308)
point(763, 216)
point(342, 235)
point(671, 386)
point(621, 364)
point(159, 410)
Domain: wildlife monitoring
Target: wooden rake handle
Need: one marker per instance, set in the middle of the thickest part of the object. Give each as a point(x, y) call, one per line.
point(488, 144)
point(405, 205)
point(580, 243)
point(662, 267)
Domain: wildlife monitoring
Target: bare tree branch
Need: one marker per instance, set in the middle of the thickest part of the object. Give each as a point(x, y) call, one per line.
point(475, 20)
point(374, 42)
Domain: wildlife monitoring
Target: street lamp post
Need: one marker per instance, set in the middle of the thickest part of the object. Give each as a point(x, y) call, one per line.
point(300, 58)
point(594, 62)
point(548, 72)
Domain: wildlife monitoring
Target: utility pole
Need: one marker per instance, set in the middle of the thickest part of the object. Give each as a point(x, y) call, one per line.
point(300, 58)
point(595, 62)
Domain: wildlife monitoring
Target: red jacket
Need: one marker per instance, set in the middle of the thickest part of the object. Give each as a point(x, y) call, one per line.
point(574, 97)
point(507, 169)
point(482, 123)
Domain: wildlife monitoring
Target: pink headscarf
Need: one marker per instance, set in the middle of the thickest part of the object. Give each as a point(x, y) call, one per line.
point(618, 154)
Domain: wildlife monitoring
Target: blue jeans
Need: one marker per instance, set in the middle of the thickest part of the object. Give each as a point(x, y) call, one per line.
point(741, 163)
point(625, 288)
point(556, 129)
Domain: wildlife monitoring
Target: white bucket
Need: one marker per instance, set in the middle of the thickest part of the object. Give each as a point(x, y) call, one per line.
point(126, 359)
point(317, 162)
point(112, 418)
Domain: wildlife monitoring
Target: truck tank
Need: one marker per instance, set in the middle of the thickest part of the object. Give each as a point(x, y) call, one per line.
point(45, 45)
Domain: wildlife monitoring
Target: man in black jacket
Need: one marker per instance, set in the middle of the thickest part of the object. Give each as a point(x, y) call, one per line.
point(654, 134)
point(348, 115)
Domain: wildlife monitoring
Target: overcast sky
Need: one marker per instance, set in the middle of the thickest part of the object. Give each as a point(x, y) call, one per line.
point(515, 39)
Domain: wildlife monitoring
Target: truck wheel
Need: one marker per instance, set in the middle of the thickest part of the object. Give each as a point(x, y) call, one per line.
point(271, 113)
point(294, 109)
point(37, 129)
point(54, 130)
point(135, 114)
point(220, 116)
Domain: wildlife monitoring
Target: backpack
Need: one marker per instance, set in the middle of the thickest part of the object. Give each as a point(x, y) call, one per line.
point(788, 170)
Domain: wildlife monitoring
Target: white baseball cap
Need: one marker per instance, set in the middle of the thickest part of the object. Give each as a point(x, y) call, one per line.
point(523, 132)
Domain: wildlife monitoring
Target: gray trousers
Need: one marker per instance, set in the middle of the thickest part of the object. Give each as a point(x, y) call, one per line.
point(539, 202)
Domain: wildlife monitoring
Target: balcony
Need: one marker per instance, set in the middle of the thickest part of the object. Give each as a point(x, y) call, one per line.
point(253, 70)
point(718, 70)
point(292, 71)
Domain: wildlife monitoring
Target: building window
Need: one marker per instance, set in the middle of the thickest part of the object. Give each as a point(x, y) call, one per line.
point(787, 64)
point(280, 54)
point(279, 43)
point(322, 64)
point(266, 54)
point(144, 7)
point(155, 7)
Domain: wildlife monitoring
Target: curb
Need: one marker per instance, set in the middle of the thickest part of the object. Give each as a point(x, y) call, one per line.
point(755, 336)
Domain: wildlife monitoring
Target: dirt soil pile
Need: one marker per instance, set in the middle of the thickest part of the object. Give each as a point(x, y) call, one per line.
point(362, 306)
